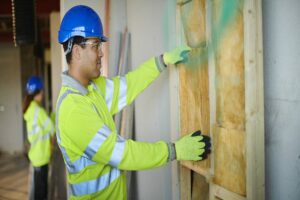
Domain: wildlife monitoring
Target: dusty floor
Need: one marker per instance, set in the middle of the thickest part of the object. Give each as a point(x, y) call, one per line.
point(14, 172)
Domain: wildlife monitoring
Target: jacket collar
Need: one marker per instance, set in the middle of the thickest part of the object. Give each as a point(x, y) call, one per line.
point(68, 81)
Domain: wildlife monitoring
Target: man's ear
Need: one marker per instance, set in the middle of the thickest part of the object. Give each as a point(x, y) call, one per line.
point(76, 52)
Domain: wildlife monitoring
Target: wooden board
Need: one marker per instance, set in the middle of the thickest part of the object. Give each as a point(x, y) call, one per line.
point(254, 101)
point(200, 188)
point(222, 95)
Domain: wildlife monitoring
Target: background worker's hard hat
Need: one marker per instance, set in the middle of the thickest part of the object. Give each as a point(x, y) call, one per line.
point(34, 84)
point(81, 21)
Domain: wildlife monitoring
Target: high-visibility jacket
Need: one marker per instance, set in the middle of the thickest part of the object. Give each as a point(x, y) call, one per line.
point(95, 154)
point(40, 128)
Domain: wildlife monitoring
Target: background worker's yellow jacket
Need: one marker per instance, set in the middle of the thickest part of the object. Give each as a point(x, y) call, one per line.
point(94, 153)
point(40, 128)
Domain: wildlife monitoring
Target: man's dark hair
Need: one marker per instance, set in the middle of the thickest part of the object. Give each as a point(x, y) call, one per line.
point(76, 40)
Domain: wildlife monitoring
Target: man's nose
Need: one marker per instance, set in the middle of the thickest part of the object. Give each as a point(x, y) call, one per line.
point(100, 52)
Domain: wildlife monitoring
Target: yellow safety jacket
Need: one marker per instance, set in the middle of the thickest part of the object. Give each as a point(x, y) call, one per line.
point(40, 128)
point(95, 154)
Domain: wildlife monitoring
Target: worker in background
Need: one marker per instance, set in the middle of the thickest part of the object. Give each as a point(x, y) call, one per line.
point(95, 154)
point(40, 130)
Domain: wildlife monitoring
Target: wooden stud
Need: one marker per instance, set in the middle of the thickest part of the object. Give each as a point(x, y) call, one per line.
point(185, 183)
point(254, 105)
point(224, 194)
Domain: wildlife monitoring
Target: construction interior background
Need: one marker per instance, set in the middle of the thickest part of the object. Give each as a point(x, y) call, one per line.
point(241, 86)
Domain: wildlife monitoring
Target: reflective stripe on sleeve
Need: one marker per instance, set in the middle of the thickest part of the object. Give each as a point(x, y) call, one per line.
point(122, 93)
point(109, 92)
point(92, 148)
point(35, 126)
point(96, 185)
point(117, 153)
point(97, 141)
point(40, 138)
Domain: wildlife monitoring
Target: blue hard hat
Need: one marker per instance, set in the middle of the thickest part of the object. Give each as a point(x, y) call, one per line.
point(34, 84)
point(80, 21)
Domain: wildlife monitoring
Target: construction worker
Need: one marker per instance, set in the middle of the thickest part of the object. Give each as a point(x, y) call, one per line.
point(40, 129)
point(95, 154)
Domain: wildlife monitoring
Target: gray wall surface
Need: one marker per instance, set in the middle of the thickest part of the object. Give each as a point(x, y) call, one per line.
point(56, 57)
point(281, 26)
point(11, 135)
point(150, 25)
point(118, 23)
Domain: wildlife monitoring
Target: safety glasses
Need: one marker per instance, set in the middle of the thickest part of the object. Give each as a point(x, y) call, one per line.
point(96, 45)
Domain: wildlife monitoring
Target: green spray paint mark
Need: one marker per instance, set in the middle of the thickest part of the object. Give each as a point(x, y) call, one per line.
point(203, 50)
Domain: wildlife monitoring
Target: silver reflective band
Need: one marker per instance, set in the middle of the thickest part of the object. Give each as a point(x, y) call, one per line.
point(109, 91)
point(35, 126)
point(40, 138)
point(78, 165)
point(117, 153)
point(83, 161)
point(35, 130)
point(46, 123)
point(122, 93)
point(93, 186)
point(97, 141)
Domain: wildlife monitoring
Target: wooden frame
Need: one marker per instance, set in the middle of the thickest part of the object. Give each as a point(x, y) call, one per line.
point(255, 96)
point(253, 125)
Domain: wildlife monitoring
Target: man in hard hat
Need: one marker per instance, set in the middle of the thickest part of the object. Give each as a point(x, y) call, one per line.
point(40, 131)
point(94, 153)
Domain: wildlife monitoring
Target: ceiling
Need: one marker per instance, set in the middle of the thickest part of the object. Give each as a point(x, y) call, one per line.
point(43, 10)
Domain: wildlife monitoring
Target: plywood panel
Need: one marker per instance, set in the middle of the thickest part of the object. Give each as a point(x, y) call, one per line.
point(194, 97)
point(229, 136)
point(230, 74)
point(194, 101)
point(194, 21)
point(200, 188)
point(232, 168)
point(230, 161)
point(193, 78)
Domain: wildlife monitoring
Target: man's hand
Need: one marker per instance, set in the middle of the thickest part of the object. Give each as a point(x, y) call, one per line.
point(176, 55)
point(193, 147)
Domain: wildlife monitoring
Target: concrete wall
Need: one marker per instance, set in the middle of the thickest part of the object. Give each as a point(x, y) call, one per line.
point(150, 24)
point(56, 57)
point(118, 23)
point(281, 28)
point(11, 135)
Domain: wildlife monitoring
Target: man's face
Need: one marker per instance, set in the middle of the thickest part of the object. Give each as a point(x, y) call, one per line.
point(91, 59)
